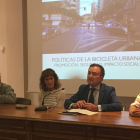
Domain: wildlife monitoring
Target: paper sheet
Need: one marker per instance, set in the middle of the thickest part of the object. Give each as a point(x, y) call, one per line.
point(82, 111)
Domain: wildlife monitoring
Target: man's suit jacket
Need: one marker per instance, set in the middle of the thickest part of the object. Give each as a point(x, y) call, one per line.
point(107, 97)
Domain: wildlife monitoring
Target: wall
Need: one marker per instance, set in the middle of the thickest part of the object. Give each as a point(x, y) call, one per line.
point(11, 37)
point(3, 54)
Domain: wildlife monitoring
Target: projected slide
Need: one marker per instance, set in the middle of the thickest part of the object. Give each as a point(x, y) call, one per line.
point(75, 65)
point(76, 33)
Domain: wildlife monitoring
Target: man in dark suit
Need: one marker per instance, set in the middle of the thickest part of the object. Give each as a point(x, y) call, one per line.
point(95, 96)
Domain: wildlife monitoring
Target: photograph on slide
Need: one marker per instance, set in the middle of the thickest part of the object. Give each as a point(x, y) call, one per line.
point(79, 26)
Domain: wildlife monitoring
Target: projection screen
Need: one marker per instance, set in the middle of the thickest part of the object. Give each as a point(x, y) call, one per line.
point(69, 35)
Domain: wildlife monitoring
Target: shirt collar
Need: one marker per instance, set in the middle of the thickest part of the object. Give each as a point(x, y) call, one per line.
point(97, 87)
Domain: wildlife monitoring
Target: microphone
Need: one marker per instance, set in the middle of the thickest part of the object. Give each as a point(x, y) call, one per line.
point(51, 93)
point(44, 108)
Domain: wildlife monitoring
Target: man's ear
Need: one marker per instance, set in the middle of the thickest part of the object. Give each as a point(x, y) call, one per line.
point(102, 77)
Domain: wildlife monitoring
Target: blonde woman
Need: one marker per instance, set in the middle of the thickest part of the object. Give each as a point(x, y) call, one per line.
point(134, 109)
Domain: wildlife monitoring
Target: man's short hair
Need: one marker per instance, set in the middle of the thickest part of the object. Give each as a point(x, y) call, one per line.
point(101, 68)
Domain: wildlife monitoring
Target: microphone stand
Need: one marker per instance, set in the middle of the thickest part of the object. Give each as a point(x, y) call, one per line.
point(49, 94)
point(44, 108)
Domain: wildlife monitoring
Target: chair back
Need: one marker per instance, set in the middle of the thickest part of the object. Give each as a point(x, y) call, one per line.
point(23, 101)
point(123, 108)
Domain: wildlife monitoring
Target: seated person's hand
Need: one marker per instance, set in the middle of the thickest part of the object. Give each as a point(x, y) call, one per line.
point(135, 113)
point(91, 107)
point(79, 104)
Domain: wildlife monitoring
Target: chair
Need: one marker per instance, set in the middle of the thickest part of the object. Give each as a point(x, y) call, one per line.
point(123, 108)
point(23, 101)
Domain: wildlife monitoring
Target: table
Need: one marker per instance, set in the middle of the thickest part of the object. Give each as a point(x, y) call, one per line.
point(26, 124)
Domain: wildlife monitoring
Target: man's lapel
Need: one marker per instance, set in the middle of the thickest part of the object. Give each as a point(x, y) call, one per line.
point(86, 92)
point(101, 93)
